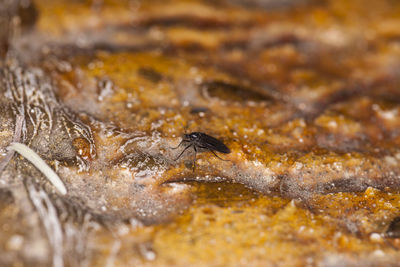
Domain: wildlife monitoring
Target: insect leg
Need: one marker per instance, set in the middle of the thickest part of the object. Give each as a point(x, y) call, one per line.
point(218, 156)
point(182, 152)
point(194, 161)
point(178, 145)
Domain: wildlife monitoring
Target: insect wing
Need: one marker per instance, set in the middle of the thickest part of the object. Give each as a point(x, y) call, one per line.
point(214, 144)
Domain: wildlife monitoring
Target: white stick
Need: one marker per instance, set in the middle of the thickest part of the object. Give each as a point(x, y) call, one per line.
point(40, 164)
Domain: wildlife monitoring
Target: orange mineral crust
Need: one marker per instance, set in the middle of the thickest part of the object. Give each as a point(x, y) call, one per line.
point(200, 133)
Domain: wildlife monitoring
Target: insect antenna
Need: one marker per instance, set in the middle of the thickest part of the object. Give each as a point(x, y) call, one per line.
point(185, 128)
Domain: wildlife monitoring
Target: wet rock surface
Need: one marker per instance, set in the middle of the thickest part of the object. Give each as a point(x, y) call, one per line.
point(304, 93)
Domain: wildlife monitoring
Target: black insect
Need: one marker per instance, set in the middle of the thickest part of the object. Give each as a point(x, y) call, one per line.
point(201, 141)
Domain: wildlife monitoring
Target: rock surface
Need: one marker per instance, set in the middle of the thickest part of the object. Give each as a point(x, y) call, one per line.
point(304, 93)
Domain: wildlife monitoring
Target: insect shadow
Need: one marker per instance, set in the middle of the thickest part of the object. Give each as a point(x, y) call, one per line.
point(201, 141)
